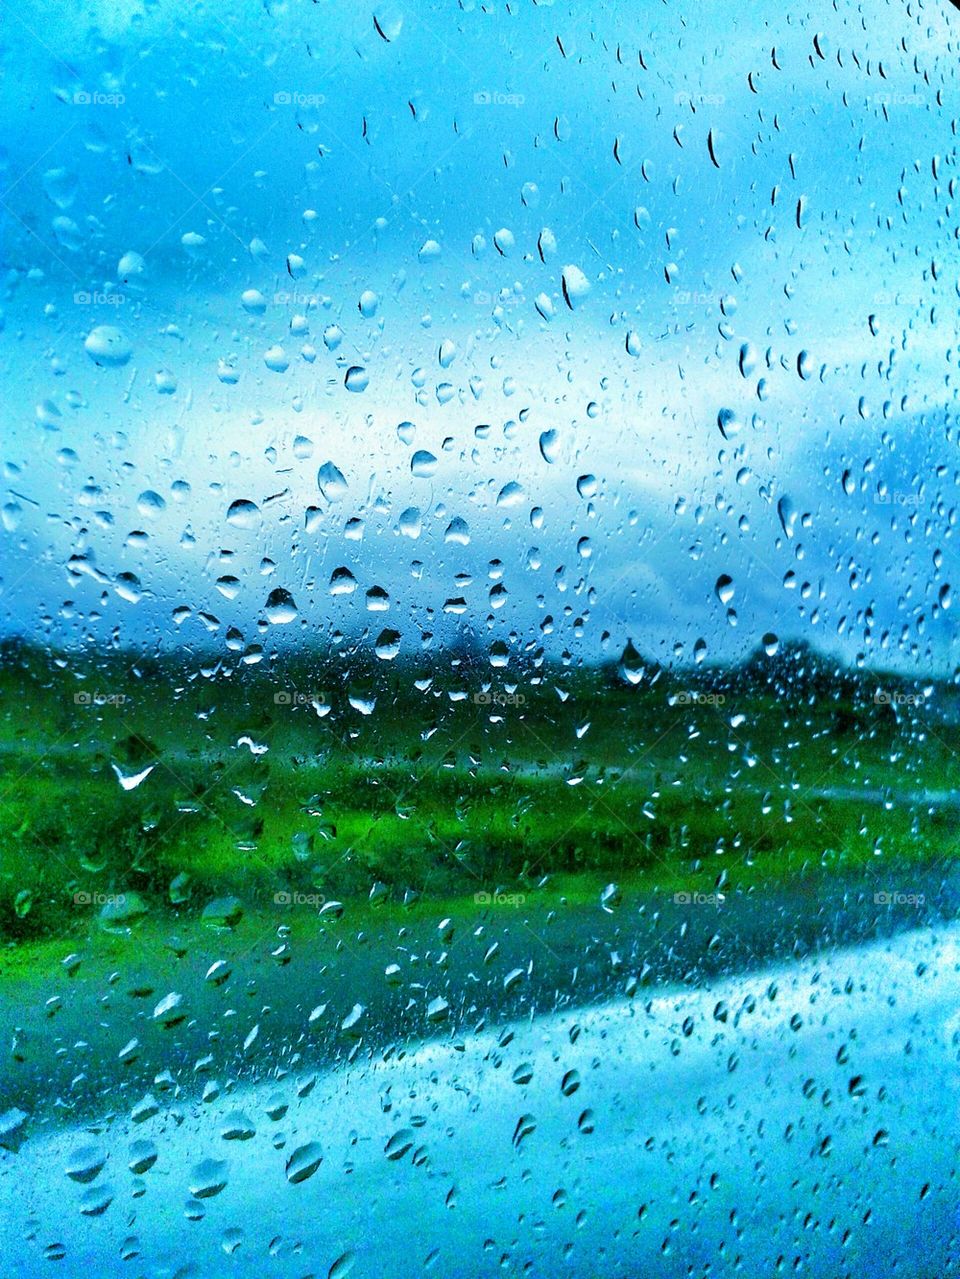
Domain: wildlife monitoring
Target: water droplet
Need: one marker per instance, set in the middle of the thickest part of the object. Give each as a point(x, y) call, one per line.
point(85, 1164)
point(388, 23)
point(631, 664)
point(243, 514)
point(437, 1009)
point(342, 1266)
point(130, 266)
point(13, 1129)
point(208, 1178)
point(237, 1127)
point(570, 1083)
point(357, 379)
point(95, 1201)
point(575, 286)
point(457, 532)
point(526, 1126)
point(511, 494)
point(60, 186)
point(218, 973)
point(342, 582)
point(388, 645)
point(399, 1143)
point(729, 424)
point(423, 464)
point(331, 482)
point(143, 1155)
point(549, 445)
point(352, 1022)
point(252, 300)
point(610, 898)
point(130, 781)
point(108, 346)
point(504, 242)
point(280, 607)
point(787, 513)
point(222, 913)
point(276, 359)
point(712, 148)
point(170, 1011)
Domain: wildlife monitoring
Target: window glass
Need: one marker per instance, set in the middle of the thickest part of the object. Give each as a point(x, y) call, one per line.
point(478, 775)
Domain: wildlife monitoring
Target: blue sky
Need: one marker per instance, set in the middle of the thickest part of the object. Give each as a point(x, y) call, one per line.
point(755, 223)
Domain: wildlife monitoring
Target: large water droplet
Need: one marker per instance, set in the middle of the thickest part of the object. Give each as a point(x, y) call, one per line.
point(729, 424)
point(331, 482)
point(357, 378)
point(423, 464)
point(108, 346)
point(787, 514)
point(85, 1163)
point(575, 286)
point(631, 664)
point(208, 1178)
point(399, 1143)
point(549, 445)
point(388, 645)
point(243, 514)
point(280, 607)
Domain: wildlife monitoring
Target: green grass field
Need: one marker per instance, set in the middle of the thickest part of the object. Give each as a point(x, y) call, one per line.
point(421, 786)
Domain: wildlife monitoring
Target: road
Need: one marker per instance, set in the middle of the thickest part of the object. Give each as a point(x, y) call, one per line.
point(803, 1118)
